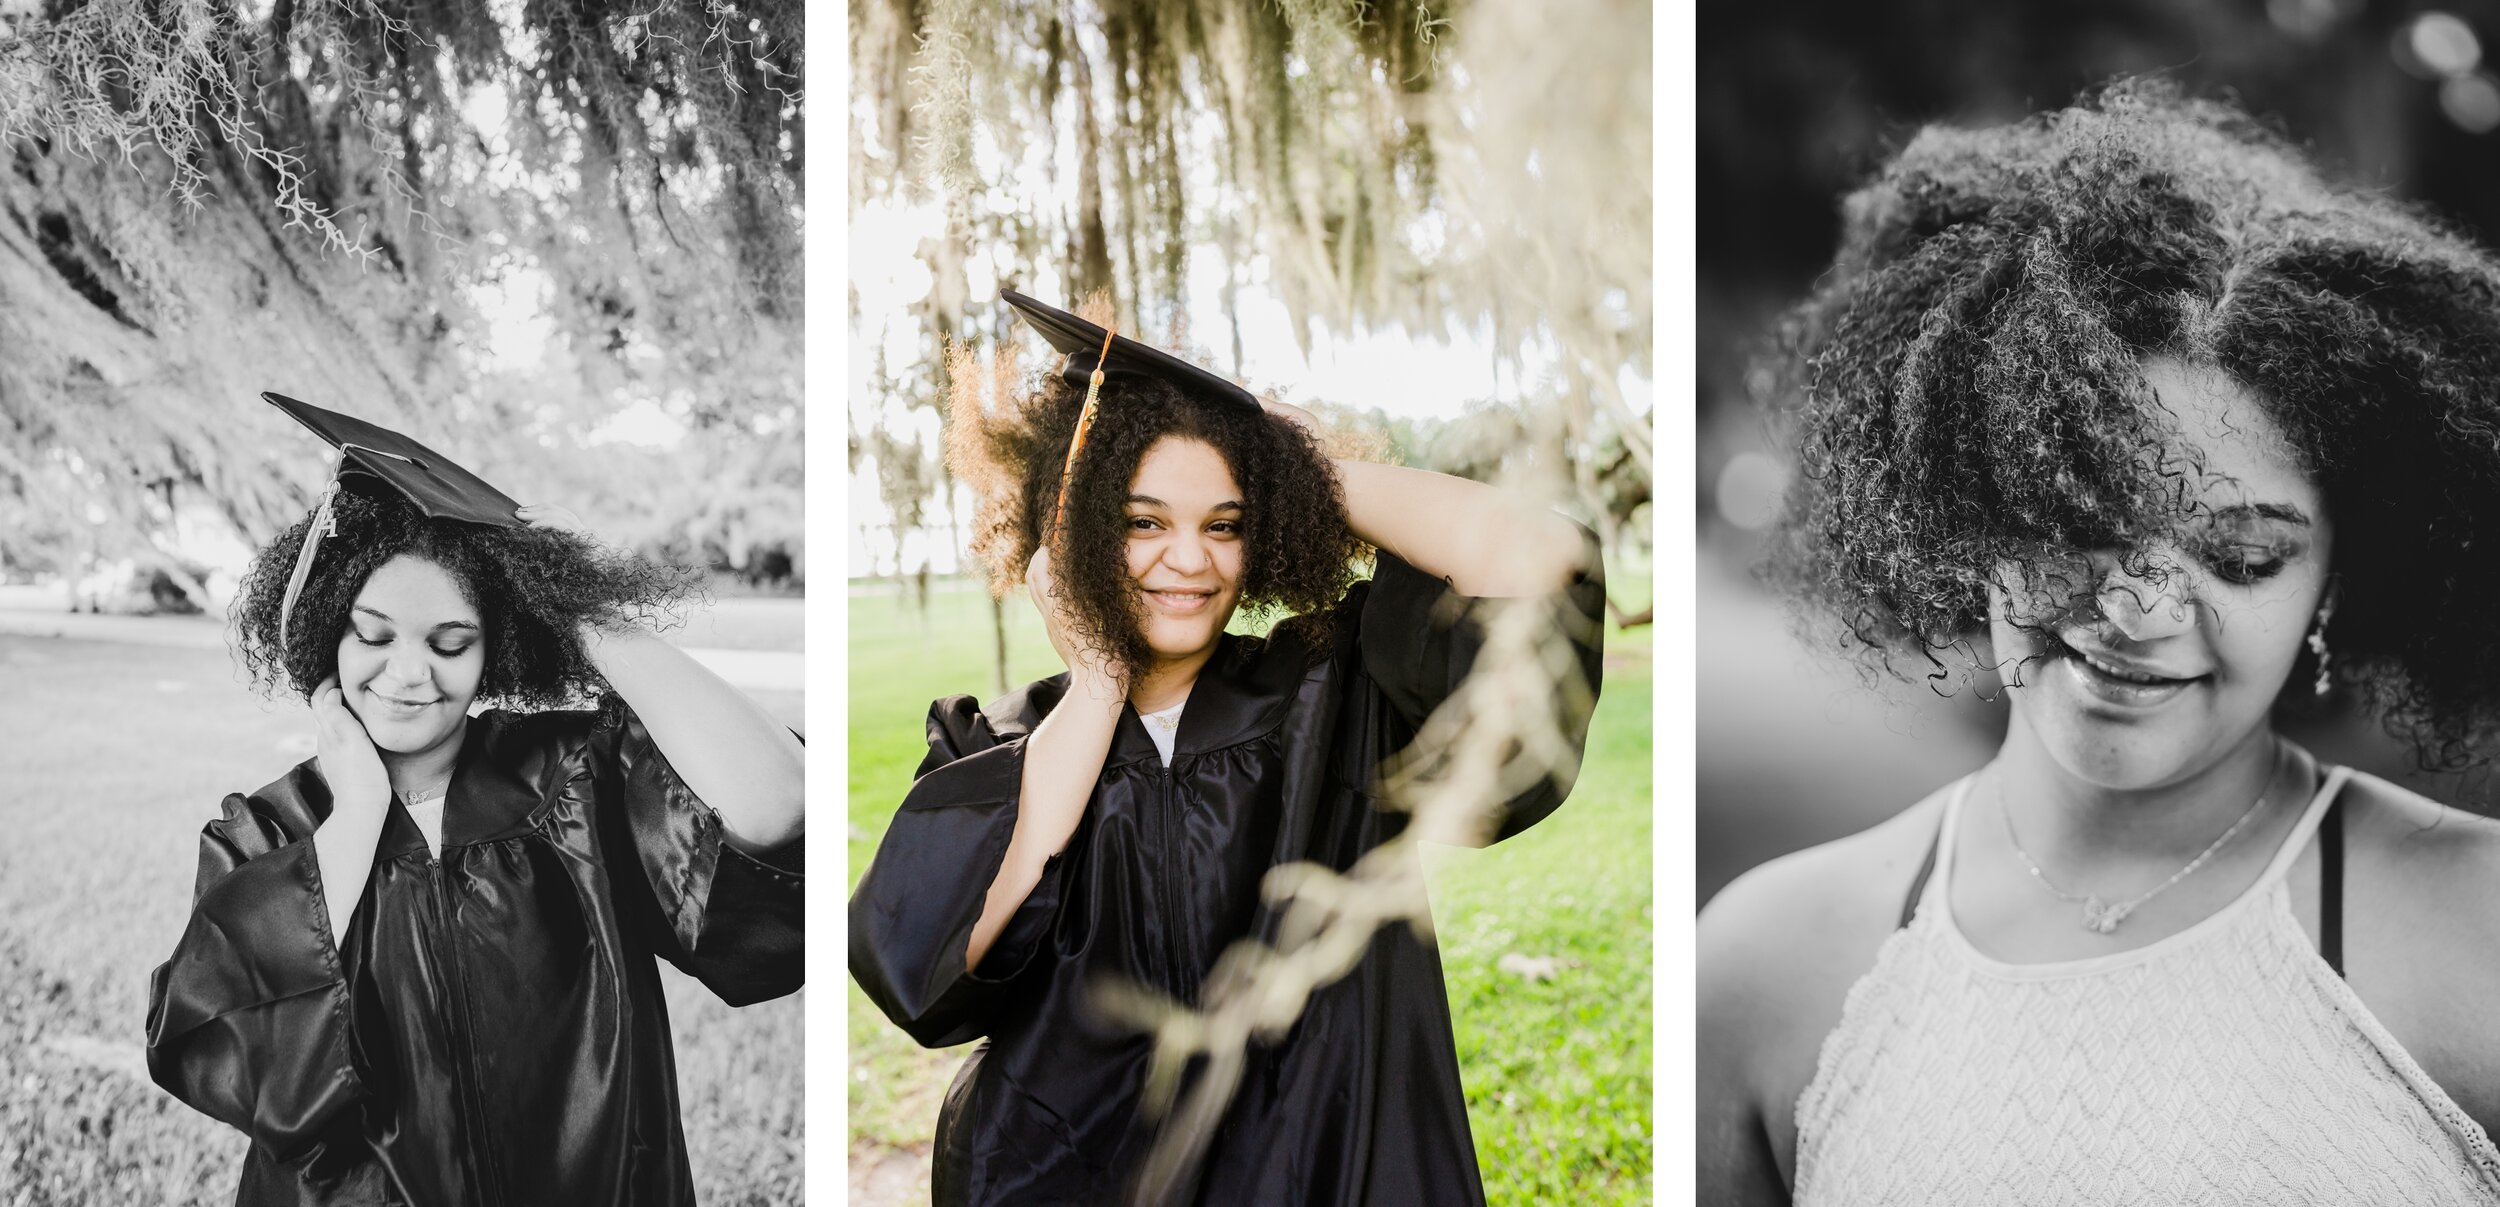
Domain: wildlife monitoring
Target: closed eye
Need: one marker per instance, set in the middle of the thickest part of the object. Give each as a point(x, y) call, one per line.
point(2245, 564)
point(384, 642)
point(2248, 558)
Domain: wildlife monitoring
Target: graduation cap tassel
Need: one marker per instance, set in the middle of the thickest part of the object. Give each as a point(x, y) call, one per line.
point(1084, 420)
point(325, 524)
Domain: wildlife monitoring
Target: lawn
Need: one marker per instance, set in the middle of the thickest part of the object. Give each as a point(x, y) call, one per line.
point(115, 755)
point(1557, 1071)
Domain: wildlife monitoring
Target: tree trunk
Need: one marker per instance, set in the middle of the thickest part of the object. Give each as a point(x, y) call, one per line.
point(998, 634)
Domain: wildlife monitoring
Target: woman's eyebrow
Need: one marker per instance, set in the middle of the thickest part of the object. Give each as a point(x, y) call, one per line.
point(1151, 501)
point(379, 614)
point(2264, 511)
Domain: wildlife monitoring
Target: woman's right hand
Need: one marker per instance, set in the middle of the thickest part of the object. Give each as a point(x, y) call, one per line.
point(1063, 757)
point(349, 762)
point(1087, 668)
point(360, 794)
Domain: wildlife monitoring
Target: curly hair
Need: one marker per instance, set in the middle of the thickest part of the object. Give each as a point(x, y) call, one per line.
point(1966, 387)
point(1298, 553)
point(533, 588)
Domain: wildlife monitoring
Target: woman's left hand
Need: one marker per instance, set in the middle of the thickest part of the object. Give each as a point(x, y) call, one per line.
point(550, 515)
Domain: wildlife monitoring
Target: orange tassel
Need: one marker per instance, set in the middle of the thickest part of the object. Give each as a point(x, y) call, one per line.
point(1084, 421)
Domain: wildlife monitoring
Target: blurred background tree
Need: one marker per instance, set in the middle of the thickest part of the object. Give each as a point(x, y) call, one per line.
point(560, 241)
point(1798, 100)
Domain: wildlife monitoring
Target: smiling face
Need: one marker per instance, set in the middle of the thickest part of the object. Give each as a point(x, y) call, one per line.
point(412, 657)
point(2148, 666)
point(1184, 546)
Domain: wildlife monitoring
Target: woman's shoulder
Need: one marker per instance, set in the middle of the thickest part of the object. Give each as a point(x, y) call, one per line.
point(2397, 821)
point(1851, 888)
point(282, 810)
point(513, 737)
point(2435, 865)
point(1778, 949)
point(2421, 919)
point(1012, 714)
point(961, 724)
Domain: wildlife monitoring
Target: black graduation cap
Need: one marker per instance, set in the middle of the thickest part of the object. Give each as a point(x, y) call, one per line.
point(1095, 356)
point(1083, 342)
point(377, 462)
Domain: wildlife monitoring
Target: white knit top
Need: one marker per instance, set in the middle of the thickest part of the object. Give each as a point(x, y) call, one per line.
point(2224, 1064)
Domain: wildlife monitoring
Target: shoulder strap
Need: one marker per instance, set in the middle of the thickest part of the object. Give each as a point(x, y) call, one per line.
point(1926, 868)
point(2331, 885)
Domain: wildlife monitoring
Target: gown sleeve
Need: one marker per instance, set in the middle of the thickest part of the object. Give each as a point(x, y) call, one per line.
point(913, 913)
point(249, 1021)
point(734, 921)
point(1419, 638)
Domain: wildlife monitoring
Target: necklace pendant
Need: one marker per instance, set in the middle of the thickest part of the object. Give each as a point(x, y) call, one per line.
point(2102, 918)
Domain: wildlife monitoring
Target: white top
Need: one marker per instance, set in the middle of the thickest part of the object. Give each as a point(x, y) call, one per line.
point(1164, 725)
point(429, 819)
point(2225, 1064)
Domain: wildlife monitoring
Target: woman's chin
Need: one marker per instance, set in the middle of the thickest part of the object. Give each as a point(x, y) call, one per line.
point(1181, 643)
point(2122, 757)
point(403, 737)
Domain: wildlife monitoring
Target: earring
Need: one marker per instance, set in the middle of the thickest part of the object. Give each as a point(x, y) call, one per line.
point(2317, 646)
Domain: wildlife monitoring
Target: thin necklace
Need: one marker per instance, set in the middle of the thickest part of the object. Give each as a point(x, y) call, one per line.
point(2101, 917)
point(415, 796)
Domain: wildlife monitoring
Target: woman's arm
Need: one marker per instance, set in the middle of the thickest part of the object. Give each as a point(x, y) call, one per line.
point(1486, 541)
point(360, 798)
point(1734, 1159)
point(1775, 954)
point(1063, 758)
point(726, 748)
point(248, 1018)
point(723, 745)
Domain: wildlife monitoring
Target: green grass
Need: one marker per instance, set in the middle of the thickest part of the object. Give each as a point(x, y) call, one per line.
point(115, 755)
point(1557, 1072)
point(901, 659)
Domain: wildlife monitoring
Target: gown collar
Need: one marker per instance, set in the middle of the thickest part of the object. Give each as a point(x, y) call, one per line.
point(1242, 694)
point(488, 799)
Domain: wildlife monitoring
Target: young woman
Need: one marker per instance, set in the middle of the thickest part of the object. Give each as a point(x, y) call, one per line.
point(1115, 822)
point(2127, 405)
point(421, 966)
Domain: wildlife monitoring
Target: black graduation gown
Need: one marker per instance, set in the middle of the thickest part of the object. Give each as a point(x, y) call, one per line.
point(491, 1029)
point(1275, 761)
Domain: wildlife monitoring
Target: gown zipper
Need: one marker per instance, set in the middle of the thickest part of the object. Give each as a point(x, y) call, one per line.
point(1166, 823)
point(458, 1022)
